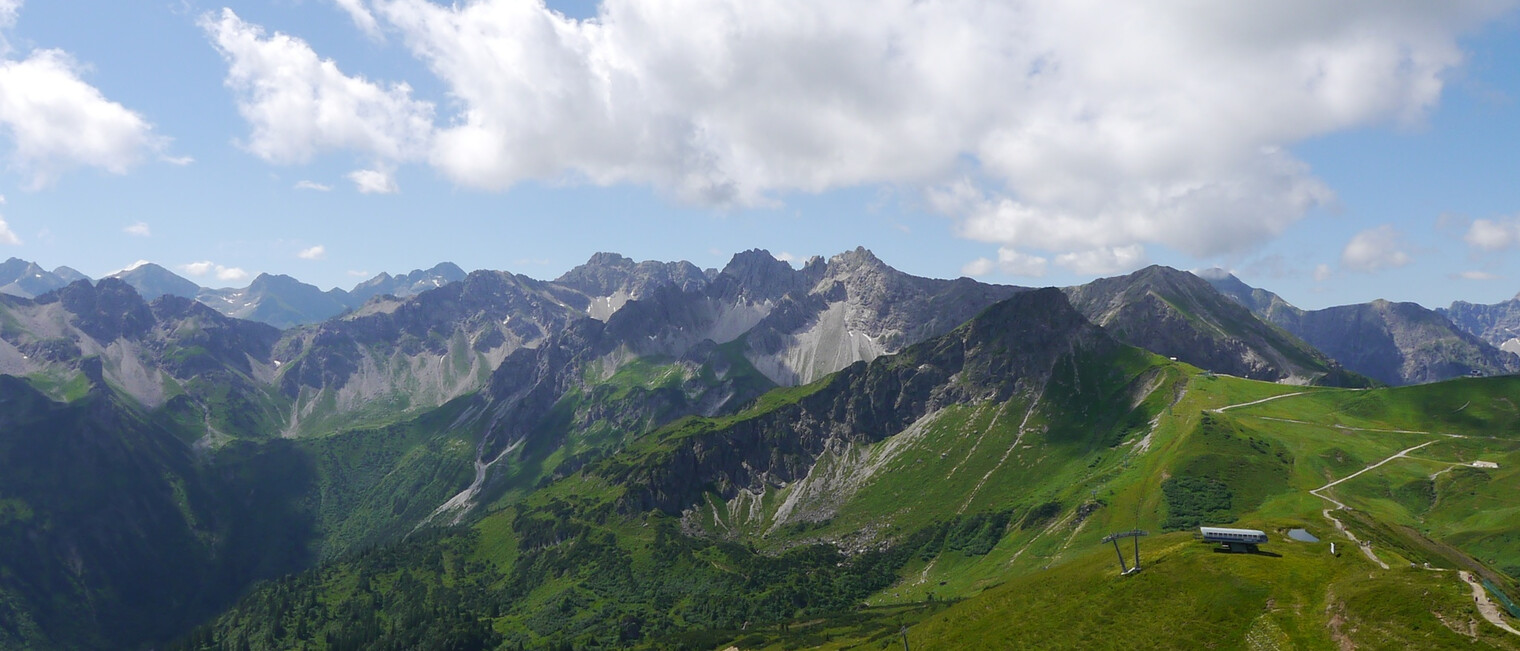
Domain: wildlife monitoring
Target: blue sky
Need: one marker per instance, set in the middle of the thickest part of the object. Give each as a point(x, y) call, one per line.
point(1331, 156)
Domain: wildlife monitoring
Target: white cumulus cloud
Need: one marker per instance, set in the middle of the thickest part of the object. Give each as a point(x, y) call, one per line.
point(1475, 274)
point(374, 181)
point(198, 269)
point(361, 16)
point(8, 236)
point(207, 267)
point(1493, 234)
point(1104, 260)
point(314, 253)
point(299, 104)
point(1010, 261)
point(8, 11)
point(56, 122)
point(1375, 248)
point(312, 185)
point(140, 229)
point(978, 268)
point(1090, 128)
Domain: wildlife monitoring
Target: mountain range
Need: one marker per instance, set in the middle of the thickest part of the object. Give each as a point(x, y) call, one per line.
point(1392, 343)
point(650, 454)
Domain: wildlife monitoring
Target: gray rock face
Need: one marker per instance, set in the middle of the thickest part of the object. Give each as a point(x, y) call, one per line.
point(1393, 343)
point(1178, 314)
point(721, 337)
point(611, 280)
point(855, 308)
point(1497, 324)
point(394, 355)
point(1011, 348)
point(797, 325)
point(400, 354)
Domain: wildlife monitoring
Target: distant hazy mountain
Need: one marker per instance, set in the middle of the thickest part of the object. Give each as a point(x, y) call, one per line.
point(1497, 324)
point(280, 301)
point(70, 275)
point(1178, 314)
point(1260, 301)
point(408, 284)
point(26, 279)
point(284, 302)
point(152, 281)
point(1395, 343)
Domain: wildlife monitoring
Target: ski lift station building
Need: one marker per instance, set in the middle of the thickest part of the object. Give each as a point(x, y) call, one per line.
point(1238, 540)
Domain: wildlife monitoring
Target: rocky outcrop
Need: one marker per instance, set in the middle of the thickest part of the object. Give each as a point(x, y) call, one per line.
point(611, 280)
point(418, 352)
point(1497, 324)
point(855, 308)
point(1012, 348)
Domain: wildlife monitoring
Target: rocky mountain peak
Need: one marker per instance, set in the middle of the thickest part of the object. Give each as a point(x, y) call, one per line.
point(15, 268)
point(860, 257)
point(152, 281)
point(753, 262)
point(759, 275)
point(26, 279)
point(265, 282)
point(447, 269)
point(1179, 314)
point(106, 311)
point(609, 259)
point(69, 274)
point(1224, 281)
point(1214, 273)
point(407, 284)
point(613, 275)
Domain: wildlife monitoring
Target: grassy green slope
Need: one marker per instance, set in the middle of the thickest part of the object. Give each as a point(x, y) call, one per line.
point(375, 484)
point(997, 507)
point(1191, 597)
point(1059, 588)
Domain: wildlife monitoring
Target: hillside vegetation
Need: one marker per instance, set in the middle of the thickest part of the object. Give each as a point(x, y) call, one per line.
point(963, 496)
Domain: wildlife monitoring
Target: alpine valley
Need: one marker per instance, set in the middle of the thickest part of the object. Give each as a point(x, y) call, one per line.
point(837, 455)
